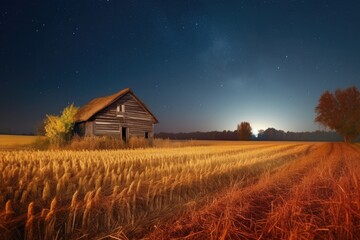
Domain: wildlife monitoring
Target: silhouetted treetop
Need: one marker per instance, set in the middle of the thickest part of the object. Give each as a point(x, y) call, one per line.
point(340, 111)
point(245, 131)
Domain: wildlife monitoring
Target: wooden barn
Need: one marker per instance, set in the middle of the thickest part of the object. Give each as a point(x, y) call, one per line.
point(121, 115)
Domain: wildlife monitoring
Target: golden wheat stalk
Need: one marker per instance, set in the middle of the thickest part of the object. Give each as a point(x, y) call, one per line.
point(30, 222)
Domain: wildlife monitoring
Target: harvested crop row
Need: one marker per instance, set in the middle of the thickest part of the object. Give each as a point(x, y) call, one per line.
point(66, 193)
point(326, 205)
point(241, 214)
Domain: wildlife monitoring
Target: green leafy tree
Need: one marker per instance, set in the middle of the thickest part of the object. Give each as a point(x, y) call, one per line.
point(340, 111)
point(59, 128)
point(245, 131)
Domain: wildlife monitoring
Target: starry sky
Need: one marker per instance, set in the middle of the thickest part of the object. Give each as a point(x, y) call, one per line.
point(198, 65)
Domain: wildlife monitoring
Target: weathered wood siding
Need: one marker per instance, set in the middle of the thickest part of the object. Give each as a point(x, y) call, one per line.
point(84, 129)
point(110, 122)
point(89, 129)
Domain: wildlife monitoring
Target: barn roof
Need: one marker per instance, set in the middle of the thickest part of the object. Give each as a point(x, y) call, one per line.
point(97, 104)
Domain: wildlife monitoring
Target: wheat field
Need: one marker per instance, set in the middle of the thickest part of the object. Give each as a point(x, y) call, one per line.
point(15, 141)
point(222, 190)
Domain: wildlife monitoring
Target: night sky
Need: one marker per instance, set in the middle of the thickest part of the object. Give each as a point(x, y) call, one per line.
point(198, 65)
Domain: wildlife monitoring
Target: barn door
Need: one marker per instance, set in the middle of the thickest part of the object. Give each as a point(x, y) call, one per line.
point(124, 134)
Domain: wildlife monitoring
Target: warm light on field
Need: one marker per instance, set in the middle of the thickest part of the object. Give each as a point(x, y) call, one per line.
point(94, 194)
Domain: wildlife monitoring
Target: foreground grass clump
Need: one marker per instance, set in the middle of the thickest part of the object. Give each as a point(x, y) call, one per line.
point(70, 194)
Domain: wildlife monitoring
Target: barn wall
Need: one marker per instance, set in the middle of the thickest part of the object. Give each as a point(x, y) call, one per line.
point(79, 129)
point(110, 122)
point(89, 129)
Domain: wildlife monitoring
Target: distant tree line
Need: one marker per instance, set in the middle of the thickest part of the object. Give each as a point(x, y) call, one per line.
point(213, 135)
point(270, 134)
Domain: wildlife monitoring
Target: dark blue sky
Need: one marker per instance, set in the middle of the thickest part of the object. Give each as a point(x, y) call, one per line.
point(198, 65)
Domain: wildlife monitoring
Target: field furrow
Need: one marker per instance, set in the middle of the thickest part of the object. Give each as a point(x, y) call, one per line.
point(325, 204)
point(304, 199)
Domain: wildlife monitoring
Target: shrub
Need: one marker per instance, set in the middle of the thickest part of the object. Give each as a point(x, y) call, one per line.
point(59, 128)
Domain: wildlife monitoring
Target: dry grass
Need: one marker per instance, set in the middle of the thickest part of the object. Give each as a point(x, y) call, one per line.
point(106, 143)
point(223, 191)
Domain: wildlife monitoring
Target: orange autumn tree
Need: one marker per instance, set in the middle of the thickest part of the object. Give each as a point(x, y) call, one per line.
point(340, 111)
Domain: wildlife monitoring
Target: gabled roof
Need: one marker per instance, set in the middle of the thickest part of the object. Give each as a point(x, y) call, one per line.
point(97, 104)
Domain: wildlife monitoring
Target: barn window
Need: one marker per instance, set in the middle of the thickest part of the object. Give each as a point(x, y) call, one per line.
point(146, 135)
point(120, 108)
